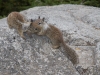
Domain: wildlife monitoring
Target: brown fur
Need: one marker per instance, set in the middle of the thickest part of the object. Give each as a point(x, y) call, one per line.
point(17, 21)
point(41, 28)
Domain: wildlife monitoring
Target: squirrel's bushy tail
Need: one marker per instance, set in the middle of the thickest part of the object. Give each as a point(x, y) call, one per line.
point(71, 54)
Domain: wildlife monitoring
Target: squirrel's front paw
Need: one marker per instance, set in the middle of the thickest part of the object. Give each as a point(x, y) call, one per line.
point(55, 47)
point(39, 33)
point(23, 37)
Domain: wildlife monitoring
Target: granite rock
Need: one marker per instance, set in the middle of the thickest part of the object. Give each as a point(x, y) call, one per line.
point(35, 56)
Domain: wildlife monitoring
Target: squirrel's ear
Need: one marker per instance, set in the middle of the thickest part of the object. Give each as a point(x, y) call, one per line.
point(38, 17)
point(30, 24)
point(31, 20)
point(43, 19)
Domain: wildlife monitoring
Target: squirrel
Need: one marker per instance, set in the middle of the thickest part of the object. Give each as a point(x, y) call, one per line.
point(40, 27)
point(18, 21)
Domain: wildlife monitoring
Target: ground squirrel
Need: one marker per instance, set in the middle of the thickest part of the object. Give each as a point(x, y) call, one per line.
point(18, 21)
point(40, 27)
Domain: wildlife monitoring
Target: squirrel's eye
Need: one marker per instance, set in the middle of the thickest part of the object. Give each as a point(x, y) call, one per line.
point(35, 29)
point(39, 23)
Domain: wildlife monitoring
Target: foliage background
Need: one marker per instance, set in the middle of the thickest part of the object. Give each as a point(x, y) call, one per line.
point(6, 6)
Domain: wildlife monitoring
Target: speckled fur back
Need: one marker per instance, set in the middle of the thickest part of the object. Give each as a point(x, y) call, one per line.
point(17, 21)
point(54, 34)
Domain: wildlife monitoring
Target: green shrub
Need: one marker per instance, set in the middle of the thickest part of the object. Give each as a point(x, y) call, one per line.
point(6, 6)
point(95, 3)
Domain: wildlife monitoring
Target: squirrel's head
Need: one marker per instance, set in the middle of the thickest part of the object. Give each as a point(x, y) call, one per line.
point(39, 21)
point(36, 25)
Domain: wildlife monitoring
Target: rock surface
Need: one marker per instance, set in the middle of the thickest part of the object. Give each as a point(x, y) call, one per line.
point(35, 56)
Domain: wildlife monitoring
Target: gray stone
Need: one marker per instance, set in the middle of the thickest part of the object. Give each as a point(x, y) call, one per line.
point(34, 56)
